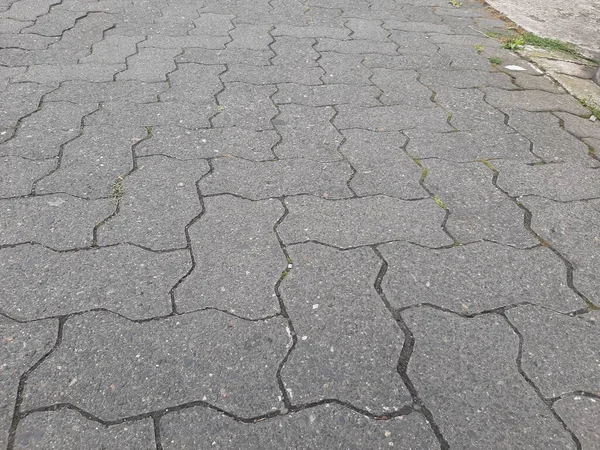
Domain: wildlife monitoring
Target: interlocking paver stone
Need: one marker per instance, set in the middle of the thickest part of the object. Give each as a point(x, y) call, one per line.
point(472, 385)
point(38, 282)
point(91, 163)
point(579, 126)
point(464, 146)
point(17, 175)
point(69, 430)
point(581, 414)
point(113, 50)
point(331, 426)
point(391, 118)
point(532, 100)
point(477, 277)
point(229, 56)
point(252, 37)
point(561, 181)
point(238, 261)
point(182, 143)
point(150, 64)
point(87, 31)
point(570, 228)
point(401, 88)
point(124, 113)
point(19, 100)
point(294, 52)
point(130, 91)
point(338, 316)
point(28, 9)
point(381, 165)
point(159, 207)
point(561, 354)
point(142, 367)
point(550, 142)
point(363, 221)
point(23, 344)
point(193, 83)
point(246, 106)
point(58, 221)
point(261, 180)
point(327, 94)
point(478, 210)
point(307, 132)
point(344, 69)
point(254, 74)
point(213, 24)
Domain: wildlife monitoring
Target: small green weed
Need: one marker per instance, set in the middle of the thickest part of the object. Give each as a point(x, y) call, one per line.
point(479, 48)
point(592, 107)
point(513, 43)
point(494, 60)
point(455, 3)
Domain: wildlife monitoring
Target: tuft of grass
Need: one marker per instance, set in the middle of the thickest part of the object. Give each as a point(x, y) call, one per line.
point(455, 3)
point(449, 116)
point(494, 60)
point(549, 44)
point(479, 48)
point(592, 107)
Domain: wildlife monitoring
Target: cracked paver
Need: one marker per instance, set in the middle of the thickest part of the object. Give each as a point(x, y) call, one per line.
point(281, 224)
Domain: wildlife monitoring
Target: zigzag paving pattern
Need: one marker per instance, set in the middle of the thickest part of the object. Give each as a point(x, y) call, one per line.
point(291, 224)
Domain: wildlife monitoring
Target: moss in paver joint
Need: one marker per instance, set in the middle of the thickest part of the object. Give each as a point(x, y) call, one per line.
point(117, 191)
point(494, 60)
point(440, 202)
point(455, 3)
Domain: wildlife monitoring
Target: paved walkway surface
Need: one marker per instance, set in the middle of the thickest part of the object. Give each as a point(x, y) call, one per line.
point(242, 224)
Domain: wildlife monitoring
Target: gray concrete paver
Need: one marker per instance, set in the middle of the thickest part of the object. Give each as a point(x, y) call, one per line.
point(23, 344)
point(331, 426)
point(338, 316)
point(281, 224)
point(137, 369)
point(67, 429)
point(570, 228)
point(238, 258)
point(466, 372)
point(478, 277)
point(565, 360)
point(159, 207)
point(40, 282)
point(478, 210)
